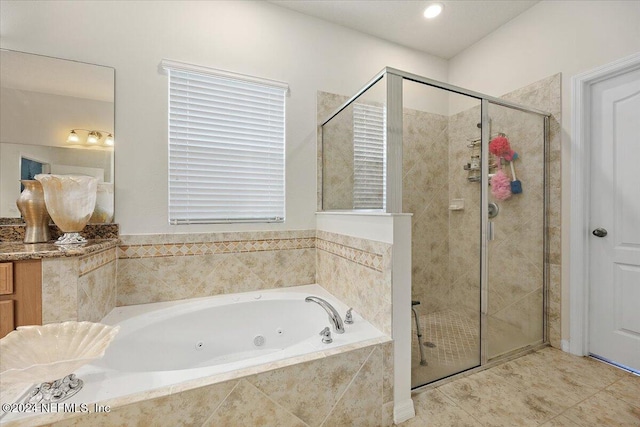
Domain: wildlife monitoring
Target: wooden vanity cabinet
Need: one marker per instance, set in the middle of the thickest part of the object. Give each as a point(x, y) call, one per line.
point(20, 294)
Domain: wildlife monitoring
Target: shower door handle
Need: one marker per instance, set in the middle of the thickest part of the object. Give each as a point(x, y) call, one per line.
point(490, 231)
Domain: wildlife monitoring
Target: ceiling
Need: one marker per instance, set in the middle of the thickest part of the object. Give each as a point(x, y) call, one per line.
point(461, 24)
point(36, 73)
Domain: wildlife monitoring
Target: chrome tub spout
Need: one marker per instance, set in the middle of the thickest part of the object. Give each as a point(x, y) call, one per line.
point(334, 317)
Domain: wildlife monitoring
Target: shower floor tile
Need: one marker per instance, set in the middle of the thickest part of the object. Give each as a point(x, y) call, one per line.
point(453, 345)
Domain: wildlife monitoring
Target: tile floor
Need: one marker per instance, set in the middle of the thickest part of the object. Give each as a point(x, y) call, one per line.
point(546, 388)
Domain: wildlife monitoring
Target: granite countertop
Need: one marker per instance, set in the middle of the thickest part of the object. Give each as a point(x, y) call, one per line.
point(17, 251)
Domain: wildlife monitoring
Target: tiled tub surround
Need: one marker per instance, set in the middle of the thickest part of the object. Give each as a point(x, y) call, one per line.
point(358, 272)
point(153, 268)
point(79, 288)
point(339, 385)
point(330, 390)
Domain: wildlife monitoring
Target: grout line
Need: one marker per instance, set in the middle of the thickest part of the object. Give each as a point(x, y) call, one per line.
point(221, 402)
point(347, 387)
point(273, 401)
point(495, 314)
point(609, 392)
point(455, 403)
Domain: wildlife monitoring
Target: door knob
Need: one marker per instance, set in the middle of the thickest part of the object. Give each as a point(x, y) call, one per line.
point(599, 232)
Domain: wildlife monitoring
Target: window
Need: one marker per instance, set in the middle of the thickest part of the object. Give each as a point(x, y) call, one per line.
point(369, 153)
point(226, 146)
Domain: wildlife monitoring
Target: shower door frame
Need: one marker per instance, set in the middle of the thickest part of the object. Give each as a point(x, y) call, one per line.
point(394, 126)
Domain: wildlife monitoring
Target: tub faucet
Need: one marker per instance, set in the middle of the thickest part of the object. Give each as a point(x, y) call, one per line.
point(334, 317)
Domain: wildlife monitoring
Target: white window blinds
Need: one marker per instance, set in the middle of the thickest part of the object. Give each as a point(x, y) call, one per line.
point(226, 147)
point(369, 153)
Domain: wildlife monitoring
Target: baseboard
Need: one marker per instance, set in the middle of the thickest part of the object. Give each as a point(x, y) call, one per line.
point(403, 411)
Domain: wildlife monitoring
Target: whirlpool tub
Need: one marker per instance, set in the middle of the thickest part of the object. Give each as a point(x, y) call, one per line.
point(164, 349)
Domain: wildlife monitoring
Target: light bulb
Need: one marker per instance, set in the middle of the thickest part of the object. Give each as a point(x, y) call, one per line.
point(109, 140)
point(73, 137)
point(433, 10)
point(93, 137)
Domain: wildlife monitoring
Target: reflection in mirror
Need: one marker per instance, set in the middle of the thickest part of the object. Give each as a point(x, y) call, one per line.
point(42, 100)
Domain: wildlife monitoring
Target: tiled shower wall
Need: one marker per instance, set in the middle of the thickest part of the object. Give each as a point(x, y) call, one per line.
point(339, 163)
point(546, 95)
point(425, 190)
point(326, 103)
point(516, 255)
point(153, 268)
point(445, 244)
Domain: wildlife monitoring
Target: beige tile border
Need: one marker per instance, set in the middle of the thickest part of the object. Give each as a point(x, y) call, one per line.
point(96, 260)
point(212, 248)
point(367, 259)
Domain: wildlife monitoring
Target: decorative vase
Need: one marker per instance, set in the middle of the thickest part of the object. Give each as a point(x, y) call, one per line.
point(34, 211)
point(70, 200)
point(103, 212)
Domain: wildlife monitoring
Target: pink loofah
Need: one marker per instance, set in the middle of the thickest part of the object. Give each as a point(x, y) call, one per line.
point(511, 156)
point(499, 146)
point(501, 186)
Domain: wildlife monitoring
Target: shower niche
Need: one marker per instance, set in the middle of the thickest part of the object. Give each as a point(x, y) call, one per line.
point(408, 144)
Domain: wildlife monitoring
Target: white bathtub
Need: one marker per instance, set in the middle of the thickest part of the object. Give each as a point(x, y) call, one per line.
point(163, 344)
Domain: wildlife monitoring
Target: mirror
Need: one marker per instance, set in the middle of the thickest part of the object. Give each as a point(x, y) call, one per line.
point(42, 99)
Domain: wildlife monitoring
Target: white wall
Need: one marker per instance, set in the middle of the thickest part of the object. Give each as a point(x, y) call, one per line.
point(255, 38)
point(553, 36)
point(46, 119)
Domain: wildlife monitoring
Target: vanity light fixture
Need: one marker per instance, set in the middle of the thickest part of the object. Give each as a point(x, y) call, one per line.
point(73, 137)
point(433, 10)
point(94, 137)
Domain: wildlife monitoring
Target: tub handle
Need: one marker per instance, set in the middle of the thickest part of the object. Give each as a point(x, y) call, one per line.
point(348, 318)
point(326, 335)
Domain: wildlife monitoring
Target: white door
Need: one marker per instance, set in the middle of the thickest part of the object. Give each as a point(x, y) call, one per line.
point(614, 288)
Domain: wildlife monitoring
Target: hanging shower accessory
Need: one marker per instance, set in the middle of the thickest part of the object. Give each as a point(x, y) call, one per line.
point(473, 167)
point(516, 185)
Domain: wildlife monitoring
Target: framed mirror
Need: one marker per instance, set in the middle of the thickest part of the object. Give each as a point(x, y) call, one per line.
point(56, 116)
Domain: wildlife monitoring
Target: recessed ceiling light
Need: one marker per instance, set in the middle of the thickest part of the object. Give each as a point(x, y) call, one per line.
point(433, 10)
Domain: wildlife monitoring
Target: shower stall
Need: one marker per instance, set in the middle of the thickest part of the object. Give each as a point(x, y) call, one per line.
point(405, 143)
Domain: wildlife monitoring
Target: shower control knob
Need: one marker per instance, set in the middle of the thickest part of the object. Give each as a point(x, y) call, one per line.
point(599, 232)
point(326, 335)
point(348, 318)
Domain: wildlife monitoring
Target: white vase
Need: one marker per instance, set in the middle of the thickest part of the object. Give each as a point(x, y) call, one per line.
point(103, 212)
point(70, 201)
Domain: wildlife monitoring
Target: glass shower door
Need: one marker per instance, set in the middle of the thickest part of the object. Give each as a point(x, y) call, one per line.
point(441, 167)
point(515, 291)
